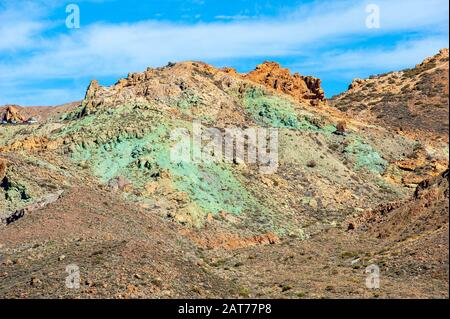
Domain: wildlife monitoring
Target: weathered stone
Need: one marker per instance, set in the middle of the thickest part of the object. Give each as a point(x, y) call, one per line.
point(12, 115)
point(302, 88)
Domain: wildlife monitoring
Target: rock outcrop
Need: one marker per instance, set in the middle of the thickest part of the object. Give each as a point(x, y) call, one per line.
point(12, 115)
point(10, 217)
point(413, 102)
point(165, 84)
point(302, 88)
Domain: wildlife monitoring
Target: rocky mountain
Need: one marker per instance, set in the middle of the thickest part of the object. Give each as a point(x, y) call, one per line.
point(11, 114)
point(20, 114)
point(303, 88)
point(96, 185)
point(413, 102)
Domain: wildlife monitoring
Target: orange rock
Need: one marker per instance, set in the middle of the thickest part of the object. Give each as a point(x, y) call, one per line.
point(12, 114)
point(231, 71)
point(302, 88)
point(32, 144)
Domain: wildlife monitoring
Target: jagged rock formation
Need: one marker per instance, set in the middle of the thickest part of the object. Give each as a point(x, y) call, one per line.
point(181, 79)
point(413, 102)
point(12, 114)
point(302, 88)
point(178, 85)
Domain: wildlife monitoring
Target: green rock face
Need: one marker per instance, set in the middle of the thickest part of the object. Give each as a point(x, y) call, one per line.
point(366, 157)
point(213, 187)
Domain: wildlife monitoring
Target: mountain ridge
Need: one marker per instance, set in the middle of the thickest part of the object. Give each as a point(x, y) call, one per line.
point(232, 230)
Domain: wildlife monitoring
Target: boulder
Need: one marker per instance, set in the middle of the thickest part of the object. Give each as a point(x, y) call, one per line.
point(341, 127)
point(120, 183)
point(12, 115)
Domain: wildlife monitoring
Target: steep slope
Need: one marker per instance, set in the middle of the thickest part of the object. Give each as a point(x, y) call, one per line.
point(413, 102)
point(415, 231)
point(425, 212)
point(120, 251)
point(11, 114)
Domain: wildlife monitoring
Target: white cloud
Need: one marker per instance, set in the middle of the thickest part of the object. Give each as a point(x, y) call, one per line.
point(116, 49)
point(406, 54)
point(19, 27)
point(233, 17)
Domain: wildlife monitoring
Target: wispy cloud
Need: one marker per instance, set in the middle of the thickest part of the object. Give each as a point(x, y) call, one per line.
point(233, 17)
point(360, 61)
point(312, 31)
point(19, 30)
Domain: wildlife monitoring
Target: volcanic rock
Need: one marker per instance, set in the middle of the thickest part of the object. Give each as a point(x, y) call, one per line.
point(302, 88)
point(12, 114)
point(412, 101)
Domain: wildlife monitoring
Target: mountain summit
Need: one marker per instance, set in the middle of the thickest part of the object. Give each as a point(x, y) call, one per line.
point(412, 101)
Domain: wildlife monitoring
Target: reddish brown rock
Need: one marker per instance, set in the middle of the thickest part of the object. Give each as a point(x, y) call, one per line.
point(341, 127)
point(12, 114)
point(302, 88)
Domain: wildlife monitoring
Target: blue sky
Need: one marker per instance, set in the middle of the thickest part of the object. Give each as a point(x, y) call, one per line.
point(42, 62)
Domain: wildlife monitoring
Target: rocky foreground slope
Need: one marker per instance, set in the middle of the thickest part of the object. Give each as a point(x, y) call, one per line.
point(95, 185)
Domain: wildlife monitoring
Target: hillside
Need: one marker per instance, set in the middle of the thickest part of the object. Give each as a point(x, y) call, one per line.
point(96, 184)
point(40, 113)
point(413, 102)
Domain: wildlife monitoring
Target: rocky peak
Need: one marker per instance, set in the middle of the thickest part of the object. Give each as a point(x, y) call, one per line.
point(12, 114)
point(302, 88)
point(412, 101)
point(92, 89)
point(441, 57)
point(160, 85)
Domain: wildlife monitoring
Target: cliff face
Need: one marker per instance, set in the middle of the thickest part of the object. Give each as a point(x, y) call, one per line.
point(12, 114)
point(302, 88)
